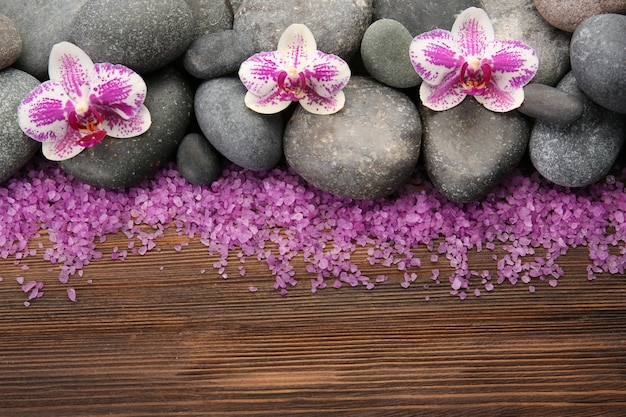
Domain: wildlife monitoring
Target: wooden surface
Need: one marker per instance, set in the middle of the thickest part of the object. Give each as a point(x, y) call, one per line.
point(153, 336)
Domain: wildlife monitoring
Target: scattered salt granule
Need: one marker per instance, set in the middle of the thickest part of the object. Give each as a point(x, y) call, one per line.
point(274, 215)
point(71, 294)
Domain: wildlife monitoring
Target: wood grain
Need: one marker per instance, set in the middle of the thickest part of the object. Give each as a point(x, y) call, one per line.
point(155, 336)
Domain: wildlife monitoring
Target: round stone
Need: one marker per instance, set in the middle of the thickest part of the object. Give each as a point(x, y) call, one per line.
point(598, 56)
point(197, 161)
point(216, 54)
point(119, 163)
point(468, 150)
point(385, 54)
point(249, 139)
point(550, 104)
point(568, 14)
point(210, 16)
point(143, 35)
point(580, 153)
point(364, 151)
point(338, 25)
point(10, 42)
point(17, 148)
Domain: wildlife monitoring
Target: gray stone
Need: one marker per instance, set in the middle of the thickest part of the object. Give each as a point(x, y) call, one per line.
point(598, 56)
point(568, 14)
point(17, 148)
point(250, 140)
point(468, 149)
point(519, 20)
point(338, 25)
point(144, 35)
point(119, 163)
point(216, 54)
point(197, 161)
point(10, 42)
point(550, 104)
point(580, 153)
point(420, 16)
point(364, 151)
point(210, 16)
point(385, 54)
point(42, 23)
point(235, 4)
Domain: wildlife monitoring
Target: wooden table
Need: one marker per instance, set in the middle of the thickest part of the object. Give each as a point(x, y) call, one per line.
point(154, 336)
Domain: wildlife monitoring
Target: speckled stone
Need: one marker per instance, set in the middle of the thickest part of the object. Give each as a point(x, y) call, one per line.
point(338, 25)
point(216, 54)
point(598, 56)
point(568, 14)
point(251, 140)
point(519, 20)
point(144, 35)
point(10, 42)
point(119, 163)
point(582, 152)
point(197, 161)
point(468, 150)
point(365, 151)
point(42, 23)
point(550, 104)
point(17, 148)
point(210, 16)
point(385, 54)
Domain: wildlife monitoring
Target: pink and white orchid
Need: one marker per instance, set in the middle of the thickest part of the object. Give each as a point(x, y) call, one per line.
point(297, 71)
point(470, 61)
point(83, 102)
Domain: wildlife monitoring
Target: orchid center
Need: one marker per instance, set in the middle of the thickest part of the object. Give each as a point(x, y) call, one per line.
point(87, 121)
point(475, 76)
point(292, 84)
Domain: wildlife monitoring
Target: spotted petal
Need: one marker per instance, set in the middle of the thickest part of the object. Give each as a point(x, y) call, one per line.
point(513, 63)
point(42, 115)
point(327, 74)
point(117, 88)
point(318, 104)
point(269, 104)
point(498, 100)
point(259, 73)
point(65, 148)
point(70, 66)
point(119, 127)
point(473, 29)
point(296, 45)
point(434, 55)
point(444, 95)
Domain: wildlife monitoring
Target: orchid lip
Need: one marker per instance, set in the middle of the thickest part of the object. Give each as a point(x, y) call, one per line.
point(475, 77)
point(295, 90)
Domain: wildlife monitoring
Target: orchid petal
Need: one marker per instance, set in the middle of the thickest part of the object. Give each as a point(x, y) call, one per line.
point(434, 55)
point(444, 95)
point(269, 104)
point(296, 45)
point(42, 114)
point(260, 72)
point(327, 74)
point(513, 63)
point(474, 30)
point(119, 127)
point(63, 149)
point(70, 66)
point(117, 88)
point(501, 101)
point(319, 104)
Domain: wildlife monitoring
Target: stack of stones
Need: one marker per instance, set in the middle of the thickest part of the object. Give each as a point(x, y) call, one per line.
point(571, 124)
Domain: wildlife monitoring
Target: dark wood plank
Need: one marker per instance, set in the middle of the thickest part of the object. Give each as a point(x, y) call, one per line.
point(153, 335)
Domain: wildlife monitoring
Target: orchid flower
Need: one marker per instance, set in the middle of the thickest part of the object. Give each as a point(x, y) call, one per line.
point(297, 71)
point(470, 61)
point(81, 103)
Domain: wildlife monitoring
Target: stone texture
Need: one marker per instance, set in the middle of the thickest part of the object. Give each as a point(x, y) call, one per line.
point(10, 42)
point(385, 54)
point(144, 35)
point(216, 54)
point(197, 161)
point(338, 25)
point(582, 152)
point(119, 163)
point(598, 56)
point(550, 104)
point(250, 140)
point(17, 148)
point(468, 149)
point(210, 16)
point(568, 14)
point(365, 151)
